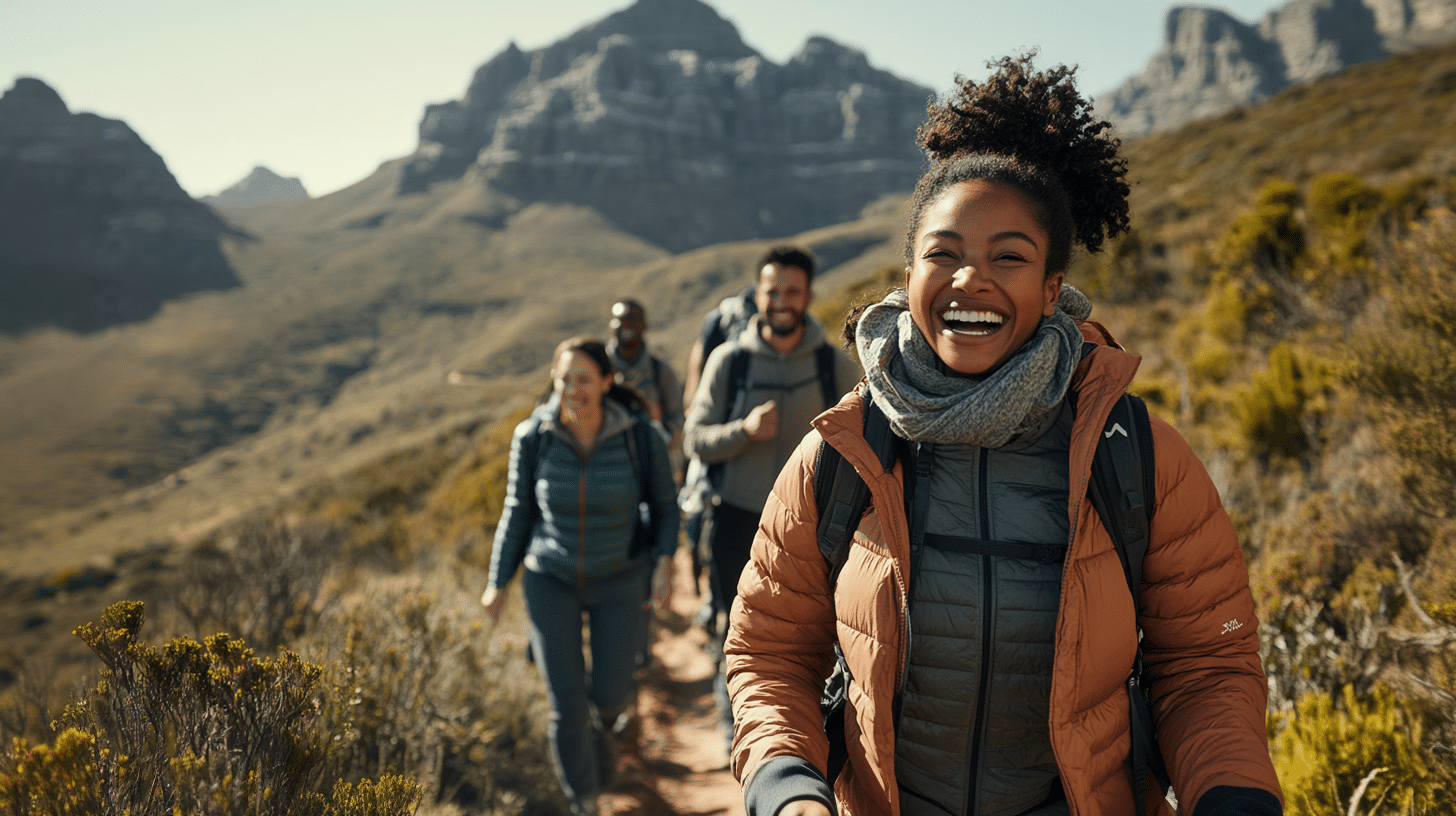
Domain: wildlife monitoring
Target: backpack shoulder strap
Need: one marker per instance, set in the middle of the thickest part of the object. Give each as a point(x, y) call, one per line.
point(738, 361)
point(639, 451)
point(1122, 489)
point(657, 383)
point(824, 366)
point(840, 495)
point(1122, 492)
point(713, 334)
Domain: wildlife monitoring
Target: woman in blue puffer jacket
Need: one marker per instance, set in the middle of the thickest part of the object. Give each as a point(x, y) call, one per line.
point(574, 517)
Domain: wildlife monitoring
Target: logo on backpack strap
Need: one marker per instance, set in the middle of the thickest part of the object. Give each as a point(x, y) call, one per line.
point(1116, 428)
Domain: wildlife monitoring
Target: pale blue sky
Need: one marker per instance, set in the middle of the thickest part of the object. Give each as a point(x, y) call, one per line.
point(327, 89)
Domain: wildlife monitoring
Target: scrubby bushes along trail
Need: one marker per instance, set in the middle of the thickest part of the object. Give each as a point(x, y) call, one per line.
point(194, 728)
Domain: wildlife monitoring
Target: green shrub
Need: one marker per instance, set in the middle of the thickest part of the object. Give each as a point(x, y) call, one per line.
point(470, 497)
point(1211, 364)
point(1408, 367)
point(1271, 411)
point(196, 728)
point(1226, 313)
point(62, 778)
point(1332, 747)
point(1342, 203)
point(1269, 237)
point(1162, 392)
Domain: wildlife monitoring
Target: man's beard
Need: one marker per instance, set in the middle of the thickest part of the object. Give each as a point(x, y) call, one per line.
point(784, 331)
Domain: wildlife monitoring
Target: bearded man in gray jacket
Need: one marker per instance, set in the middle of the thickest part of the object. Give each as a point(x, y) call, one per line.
point(758, 394)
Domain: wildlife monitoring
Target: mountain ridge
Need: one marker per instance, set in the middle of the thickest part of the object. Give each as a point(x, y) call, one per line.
point(1210, 61)
point(94, 230)
point(261, 184)
point(625, 114)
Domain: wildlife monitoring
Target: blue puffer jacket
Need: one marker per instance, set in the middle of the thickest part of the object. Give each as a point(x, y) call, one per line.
point(572, 517)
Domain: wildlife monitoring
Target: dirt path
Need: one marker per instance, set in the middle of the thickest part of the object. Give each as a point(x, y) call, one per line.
point(681, 763)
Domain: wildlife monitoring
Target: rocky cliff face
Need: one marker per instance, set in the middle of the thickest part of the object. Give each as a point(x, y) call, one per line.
point(94, 230)
point(1211, 61)
point(260, 185)
point(662, 118)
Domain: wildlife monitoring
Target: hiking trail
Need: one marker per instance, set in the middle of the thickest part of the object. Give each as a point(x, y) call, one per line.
point(679, 764)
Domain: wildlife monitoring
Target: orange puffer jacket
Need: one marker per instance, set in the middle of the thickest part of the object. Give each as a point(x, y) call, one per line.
point(1208, 688)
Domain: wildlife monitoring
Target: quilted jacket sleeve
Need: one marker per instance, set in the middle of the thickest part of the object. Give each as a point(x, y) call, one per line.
point(781, 632)
point(519, 513)
point(1200, 644)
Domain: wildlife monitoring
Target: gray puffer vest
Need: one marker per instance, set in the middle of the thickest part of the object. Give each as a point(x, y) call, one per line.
point(973, 737)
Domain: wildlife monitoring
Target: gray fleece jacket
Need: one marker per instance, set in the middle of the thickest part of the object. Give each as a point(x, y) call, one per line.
point(714, 429)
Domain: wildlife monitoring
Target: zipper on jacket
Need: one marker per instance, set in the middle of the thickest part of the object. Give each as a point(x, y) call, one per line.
point(975, 738)
point(915, 481)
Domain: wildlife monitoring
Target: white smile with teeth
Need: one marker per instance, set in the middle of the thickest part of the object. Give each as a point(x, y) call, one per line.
point(987, 322)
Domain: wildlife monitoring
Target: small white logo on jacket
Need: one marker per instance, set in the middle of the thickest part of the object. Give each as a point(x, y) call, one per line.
point(1231, 625)
point(1116, 429)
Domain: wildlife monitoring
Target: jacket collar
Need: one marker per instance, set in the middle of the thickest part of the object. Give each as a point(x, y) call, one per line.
point(1101, 378)
point(615, 419)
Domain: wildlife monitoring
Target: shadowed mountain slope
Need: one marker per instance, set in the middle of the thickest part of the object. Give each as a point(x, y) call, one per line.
point(94, 230)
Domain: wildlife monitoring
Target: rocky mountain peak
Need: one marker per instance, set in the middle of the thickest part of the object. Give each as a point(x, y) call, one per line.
point(260, 185)
point(662, 118)
point(30, 96)
point(1211, 61)
point(94, 230)
point(670, 25)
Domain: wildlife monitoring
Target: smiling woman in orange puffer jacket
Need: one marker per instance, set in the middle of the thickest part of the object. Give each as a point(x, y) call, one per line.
point(985, 681)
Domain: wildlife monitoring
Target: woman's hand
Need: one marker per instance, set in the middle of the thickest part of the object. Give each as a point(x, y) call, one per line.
point(494, 600)
point(662, 583)
point(804, 807)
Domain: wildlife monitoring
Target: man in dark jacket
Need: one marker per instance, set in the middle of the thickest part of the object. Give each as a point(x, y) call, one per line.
point(638, 368)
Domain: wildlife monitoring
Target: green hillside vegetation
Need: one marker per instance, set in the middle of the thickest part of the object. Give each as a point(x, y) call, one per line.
point(1289, 282)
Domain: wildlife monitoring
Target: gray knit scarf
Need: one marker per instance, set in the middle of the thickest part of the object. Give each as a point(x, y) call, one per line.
point(924, 404)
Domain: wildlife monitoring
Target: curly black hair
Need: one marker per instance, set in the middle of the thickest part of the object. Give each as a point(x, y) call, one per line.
point(786, 255)
point(1033, 131)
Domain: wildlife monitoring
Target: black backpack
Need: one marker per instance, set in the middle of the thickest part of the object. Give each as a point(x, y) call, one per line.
point(1121, 492)
point(639, 449)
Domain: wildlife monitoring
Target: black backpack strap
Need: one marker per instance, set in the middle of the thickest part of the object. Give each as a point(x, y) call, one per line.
point(1122, 492)
point(738, 360)
point(657, 383)
point(713, 335)
point(737, 377)
point(824, 366)
point(840, 495)
point(639, 450)
point(1122, 484)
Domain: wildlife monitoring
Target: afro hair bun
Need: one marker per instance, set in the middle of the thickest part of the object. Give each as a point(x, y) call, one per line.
point(1040, 120)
